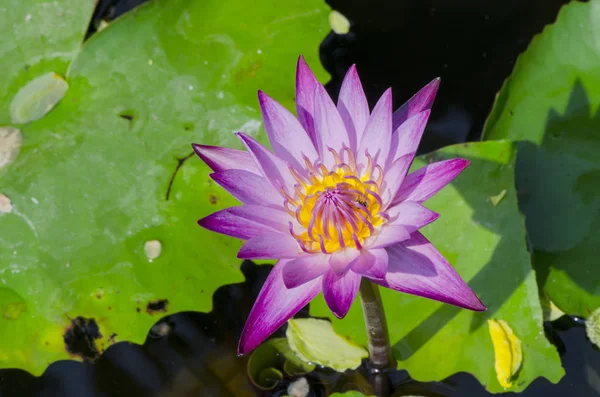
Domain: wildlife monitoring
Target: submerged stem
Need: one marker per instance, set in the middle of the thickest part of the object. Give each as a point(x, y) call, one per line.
point(380, 352)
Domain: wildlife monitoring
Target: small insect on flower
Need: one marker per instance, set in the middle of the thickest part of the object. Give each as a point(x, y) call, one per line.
point(334, 202)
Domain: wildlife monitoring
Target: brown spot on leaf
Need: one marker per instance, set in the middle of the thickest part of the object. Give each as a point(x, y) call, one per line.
point(111, 338)
point(157, 306)
point(80, 338)
point(213, 199)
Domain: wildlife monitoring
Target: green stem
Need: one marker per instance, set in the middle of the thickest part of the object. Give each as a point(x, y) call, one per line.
point(380, 352)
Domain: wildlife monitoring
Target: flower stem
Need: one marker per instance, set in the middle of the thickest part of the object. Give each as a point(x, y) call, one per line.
point(380, 352)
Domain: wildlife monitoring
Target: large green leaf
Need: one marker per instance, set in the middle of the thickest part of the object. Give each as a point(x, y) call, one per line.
point(38, 37)
point(550, 104)
point(107, 171)
point(486, 244)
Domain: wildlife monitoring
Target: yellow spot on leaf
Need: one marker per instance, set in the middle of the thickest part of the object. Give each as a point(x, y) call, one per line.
point(12, 311)
point(152, 249)
point(339, 23)
point(37, 98)
point(507, 349)
point(495, 200)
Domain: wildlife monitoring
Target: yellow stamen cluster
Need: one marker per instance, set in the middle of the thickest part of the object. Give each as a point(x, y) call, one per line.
point(338, 207)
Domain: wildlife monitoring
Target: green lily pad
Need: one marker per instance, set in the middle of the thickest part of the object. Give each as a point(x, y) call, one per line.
point(105, 193)
point(486, 245)
point(550, 103)
point(314, 341)
point(39, 37)
point(272, 356)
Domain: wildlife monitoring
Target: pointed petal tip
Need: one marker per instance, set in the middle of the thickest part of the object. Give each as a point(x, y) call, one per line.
point(262, 97)
point(338, 314)
point(461, 164)
point(198, 149)
point(242, 136)
point(479, 306)
point(242, 348)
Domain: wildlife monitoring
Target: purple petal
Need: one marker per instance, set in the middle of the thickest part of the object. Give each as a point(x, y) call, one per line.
point(249, 188)
point(422, 100)
point(270, 246)
point(271, 166)
point(353, 105)
point(377, 136)
point(417, 268)
point(288, 138)
point(274, 306)
point(427, 181)
point(405, 218)
point(371, 263)
point(246, 221)
point(341, 260)
point(222, 158)
point(411, 214)
point(392, 180)
point(306, 83)
point(339, 291)
point(388, 235)
point(329, 127)
point(408, 136)
point(301, 270)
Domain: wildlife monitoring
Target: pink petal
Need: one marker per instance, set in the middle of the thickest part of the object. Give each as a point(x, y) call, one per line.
point(392, 180)
point(417, 268)
point(408, 136)
point(341, 260)
point(306, 83)
point(301, 270)
point(422, 100)
point(329, 127)
point(246, 221)
point(270, 246)
point(339, 291)
point(271, 166)
point(371, 263)
point(288, 138)
point(427, 181)
point(377, 136)
point(222, 158)
point(353, 105)
point(274, 306)
point(249, 188)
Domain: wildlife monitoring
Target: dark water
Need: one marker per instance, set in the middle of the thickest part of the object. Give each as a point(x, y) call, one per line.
point(472, 45)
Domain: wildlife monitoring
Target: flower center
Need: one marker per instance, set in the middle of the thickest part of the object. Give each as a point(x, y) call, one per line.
point(338, 207)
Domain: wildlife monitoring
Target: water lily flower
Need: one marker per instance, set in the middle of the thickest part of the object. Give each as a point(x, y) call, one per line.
point(333, 202)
